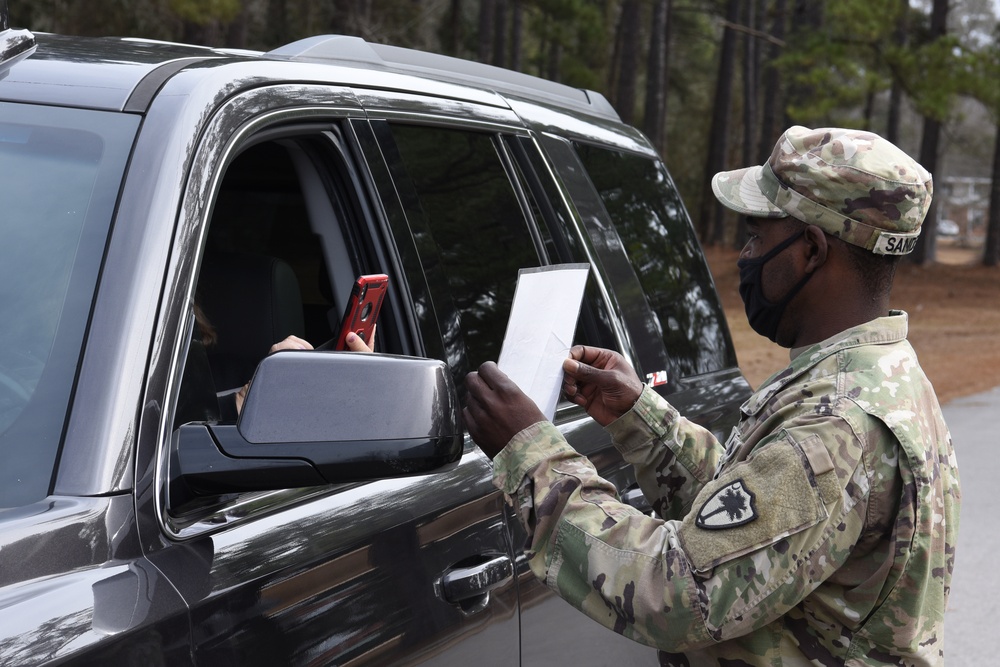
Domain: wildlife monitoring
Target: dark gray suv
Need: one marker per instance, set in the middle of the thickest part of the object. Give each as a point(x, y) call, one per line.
point(168, 212)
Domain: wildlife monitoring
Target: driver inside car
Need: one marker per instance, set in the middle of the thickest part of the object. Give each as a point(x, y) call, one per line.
point(199, 400)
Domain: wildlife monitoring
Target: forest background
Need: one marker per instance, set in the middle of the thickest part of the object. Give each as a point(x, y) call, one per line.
point(712, 83)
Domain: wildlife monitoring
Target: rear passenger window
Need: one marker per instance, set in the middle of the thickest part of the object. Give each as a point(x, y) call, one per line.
point(650, 218)
point(561, 243)
point(477, 234)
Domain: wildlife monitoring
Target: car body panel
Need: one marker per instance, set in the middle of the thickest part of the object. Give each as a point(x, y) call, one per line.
point(97, 74)
point(312, 583)
point(74, 587)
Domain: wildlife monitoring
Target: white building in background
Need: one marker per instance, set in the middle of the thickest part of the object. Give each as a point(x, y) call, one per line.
point(963, 209)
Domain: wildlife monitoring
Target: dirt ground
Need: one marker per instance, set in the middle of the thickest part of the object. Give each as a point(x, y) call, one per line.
point(954, 309)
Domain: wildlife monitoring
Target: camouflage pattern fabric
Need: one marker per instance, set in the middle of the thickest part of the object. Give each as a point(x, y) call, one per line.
point(823, 532)
point(852, 184)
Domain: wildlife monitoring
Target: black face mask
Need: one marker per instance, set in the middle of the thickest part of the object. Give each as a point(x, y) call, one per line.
point(763, 315)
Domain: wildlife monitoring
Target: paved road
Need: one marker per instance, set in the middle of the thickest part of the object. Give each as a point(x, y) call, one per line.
point(971, 636)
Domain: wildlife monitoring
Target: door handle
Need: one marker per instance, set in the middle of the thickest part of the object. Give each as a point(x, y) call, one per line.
point(470, 586)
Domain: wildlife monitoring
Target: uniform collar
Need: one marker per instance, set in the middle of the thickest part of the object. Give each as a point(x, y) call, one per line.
point(880, 331)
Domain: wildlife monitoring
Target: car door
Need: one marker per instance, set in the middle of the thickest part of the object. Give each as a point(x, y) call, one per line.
point(478, 214)
point(551, 628)
point(621, 212)
point(410, 570)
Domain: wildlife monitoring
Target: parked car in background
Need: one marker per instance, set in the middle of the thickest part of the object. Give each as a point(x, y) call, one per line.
point(947, 227)
point(168, 212)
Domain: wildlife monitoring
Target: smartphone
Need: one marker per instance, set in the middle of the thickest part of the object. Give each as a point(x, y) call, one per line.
point(362, 308)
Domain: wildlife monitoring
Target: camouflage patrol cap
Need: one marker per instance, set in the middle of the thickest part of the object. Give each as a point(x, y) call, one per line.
point(853, 184)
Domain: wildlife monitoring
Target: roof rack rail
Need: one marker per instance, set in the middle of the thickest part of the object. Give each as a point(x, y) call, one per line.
point(355, 50)
point(15, 45)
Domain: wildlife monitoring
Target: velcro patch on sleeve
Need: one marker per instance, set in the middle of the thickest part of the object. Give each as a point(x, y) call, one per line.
point(754, 504)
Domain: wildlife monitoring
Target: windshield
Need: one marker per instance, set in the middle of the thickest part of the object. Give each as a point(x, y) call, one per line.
point(60, 172)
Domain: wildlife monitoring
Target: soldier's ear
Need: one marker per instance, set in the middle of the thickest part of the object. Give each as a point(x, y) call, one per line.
point(817, 247)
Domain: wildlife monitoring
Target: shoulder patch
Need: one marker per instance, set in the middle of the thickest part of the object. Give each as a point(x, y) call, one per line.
point(731, 506)
point(754, 504)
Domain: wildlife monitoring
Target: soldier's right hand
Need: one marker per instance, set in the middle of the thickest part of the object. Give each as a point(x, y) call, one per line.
point(601, 381)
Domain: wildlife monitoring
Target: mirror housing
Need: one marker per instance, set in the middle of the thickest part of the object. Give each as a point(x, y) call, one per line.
point(15, 45)
point(315, 418)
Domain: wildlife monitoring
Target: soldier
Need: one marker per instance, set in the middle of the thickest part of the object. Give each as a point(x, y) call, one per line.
point(823, 531)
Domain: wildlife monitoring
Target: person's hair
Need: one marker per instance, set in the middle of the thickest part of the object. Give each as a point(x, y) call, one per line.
point(876, 271)
point(205, 331)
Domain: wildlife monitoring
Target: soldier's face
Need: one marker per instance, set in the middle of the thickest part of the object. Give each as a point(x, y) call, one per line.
point(780, 272)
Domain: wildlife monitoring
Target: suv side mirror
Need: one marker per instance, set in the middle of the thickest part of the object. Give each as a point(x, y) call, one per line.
point(314, 418)
point(15, 45)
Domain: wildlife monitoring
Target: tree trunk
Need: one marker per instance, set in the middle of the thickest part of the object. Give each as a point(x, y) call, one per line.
point(925, 251)
point(895, 103)
point(371, 28)
point(991, 253)
point(236, 31)
point(485, 36)
point(628, 63)
point(751, 74)
point(807, 19)
point(277, 31)
point(656, 75)
point(712, 224)
point(454, 37)
point(770, 128)
point(554, 59)
point(516, 34)
point(896, 92)
point(500, 34)
point(194, 33)
point(868, 114)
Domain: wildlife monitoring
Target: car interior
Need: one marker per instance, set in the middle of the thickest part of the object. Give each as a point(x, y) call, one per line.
point(274, 235)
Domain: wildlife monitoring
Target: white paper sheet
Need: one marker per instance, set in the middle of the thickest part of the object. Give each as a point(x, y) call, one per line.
point(540, 330)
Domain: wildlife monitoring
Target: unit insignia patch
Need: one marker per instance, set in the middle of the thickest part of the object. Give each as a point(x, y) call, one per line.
point(728, 507)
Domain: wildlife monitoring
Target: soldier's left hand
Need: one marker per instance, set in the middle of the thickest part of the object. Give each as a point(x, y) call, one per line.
point(496, 409)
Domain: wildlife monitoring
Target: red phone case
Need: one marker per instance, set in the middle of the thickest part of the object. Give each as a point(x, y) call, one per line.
point(362, 308)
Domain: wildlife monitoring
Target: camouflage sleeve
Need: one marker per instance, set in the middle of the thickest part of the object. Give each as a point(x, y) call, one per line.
point(673, 457)
point(757, 541)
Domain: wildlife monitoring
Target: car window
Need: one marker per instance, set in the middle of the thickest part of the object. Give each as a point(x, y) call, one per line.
point(277, 263)
point(281, 253)
point(650, 218)
point(467, 208)
point(60, 173)
point(562, 244)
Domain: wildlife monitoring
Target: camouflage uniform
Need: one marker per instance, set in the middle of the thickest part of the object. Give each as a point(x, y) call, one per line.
point(823, 530)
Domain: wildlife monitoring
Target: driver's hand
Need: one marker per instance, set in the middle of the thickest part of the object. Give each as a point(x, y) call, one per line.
point(357, 344)
point(291, 343)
